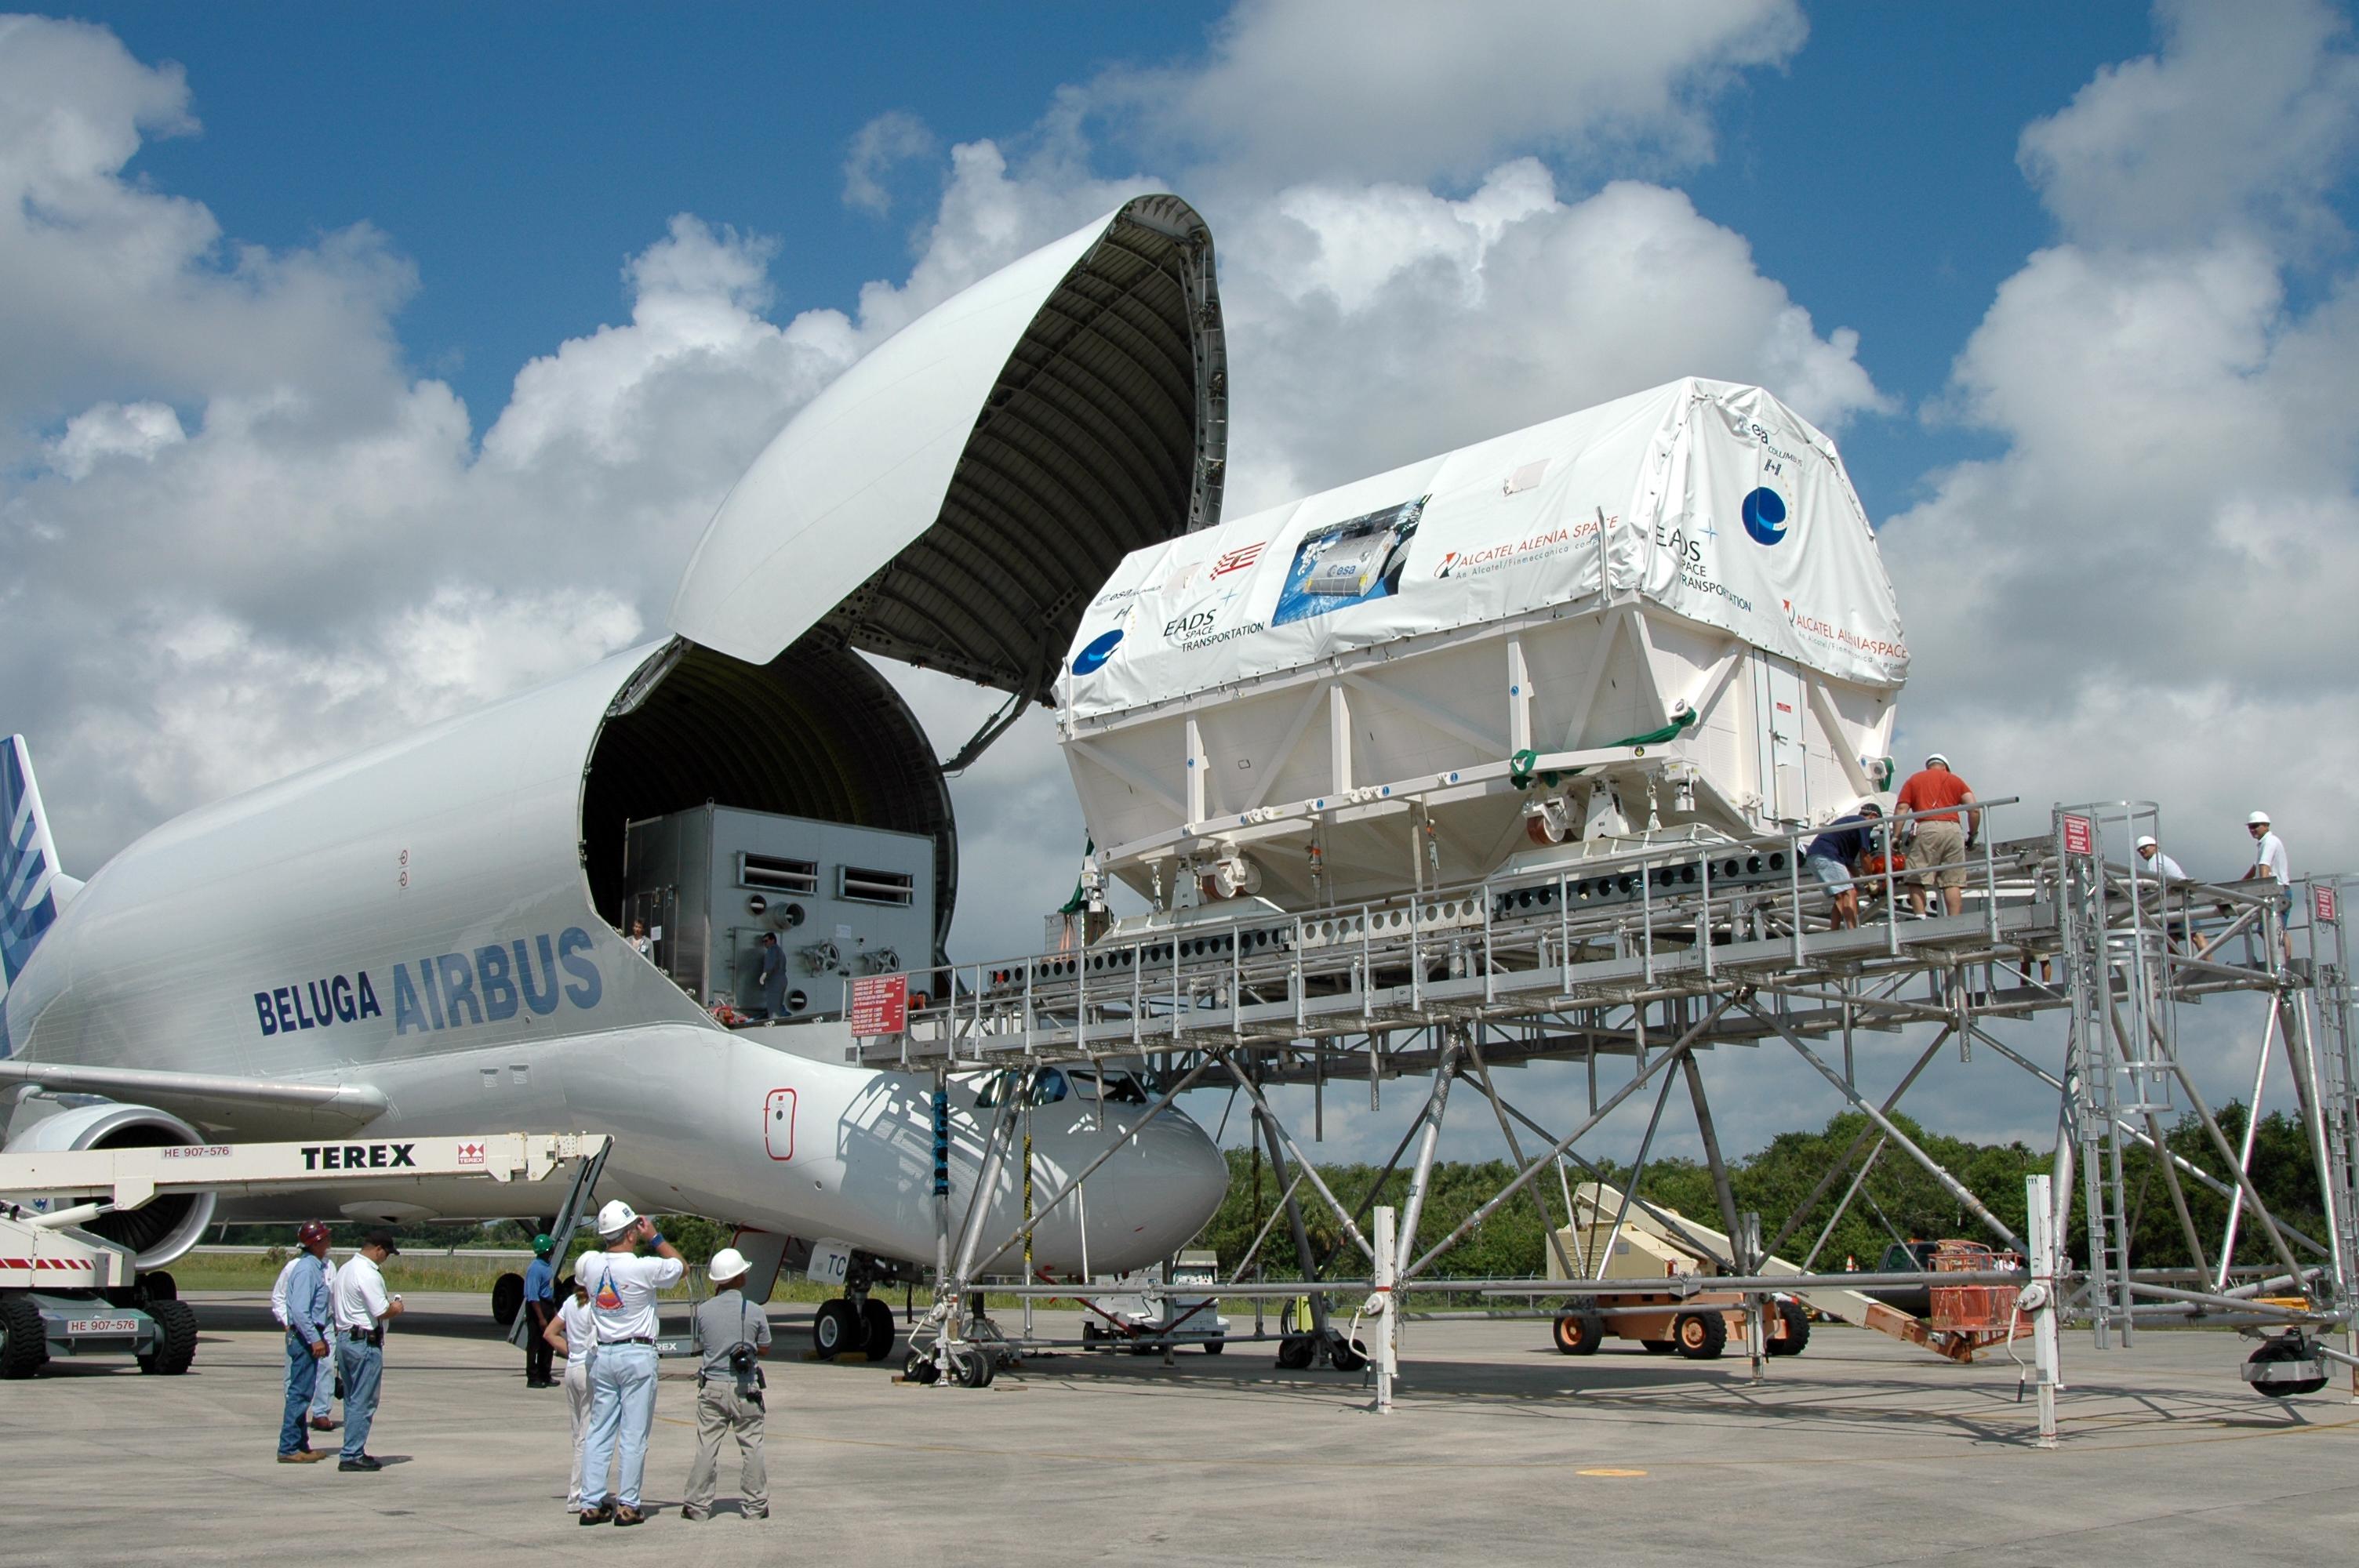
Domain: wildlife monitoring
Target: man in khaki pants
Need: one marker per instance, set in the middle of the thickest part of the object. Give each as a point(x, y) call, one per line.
point(732, 1332)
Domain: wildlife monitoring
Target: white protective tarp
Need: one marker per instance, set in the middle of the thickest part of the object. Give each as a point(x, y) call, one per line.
point(1716, 502)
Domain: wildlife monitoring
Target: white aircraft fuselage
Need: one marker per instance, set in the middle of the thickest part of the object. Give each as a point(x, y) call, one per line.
point(415, 920)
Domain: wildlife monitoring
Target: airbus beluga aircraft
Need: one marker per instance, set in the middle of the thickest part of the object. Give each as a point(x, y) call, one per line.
point(427, 937)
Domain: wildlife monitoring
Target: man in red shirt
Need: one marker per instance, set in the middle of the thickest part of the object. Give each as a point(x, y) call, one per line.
point(1939, 850)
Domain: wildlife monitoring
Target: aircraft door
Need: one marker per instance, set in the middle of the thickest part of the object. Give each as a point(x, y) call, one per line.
point(1780, 706)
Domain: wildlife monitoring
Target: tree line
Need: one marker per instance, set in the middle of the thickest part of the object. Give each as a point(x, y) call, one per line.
point(1900, 1201)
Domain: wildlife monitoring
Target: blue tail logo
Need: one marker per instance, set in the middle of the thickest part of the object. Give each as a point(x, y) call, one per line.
point(28, 867)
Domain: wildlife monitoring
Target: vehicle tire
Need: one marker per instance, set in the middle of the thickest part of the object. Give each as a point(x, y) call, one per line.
point(159, 1286)
point(1215, 1346)
point(1797, 1329)
point(1659, 1347)
point(1295, 1351)
point(920, 1367)
point(1700, 1335)
point(1089, 1335)
point(836, 1329)
point(877, 1327)
point(1580, 1332)
point(972, 1365)
point(507, 1299)
point(176, 1346)
point(24, 1343)
point(1342, 1354)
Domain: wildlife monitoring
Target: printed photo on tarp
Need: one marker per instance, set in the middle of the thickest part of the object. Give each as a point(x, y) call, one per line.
point(1349, 562)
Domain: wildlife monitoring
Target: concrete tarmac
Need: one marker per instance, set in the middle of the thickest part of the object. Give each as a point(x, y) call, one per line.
point(1861, 1451)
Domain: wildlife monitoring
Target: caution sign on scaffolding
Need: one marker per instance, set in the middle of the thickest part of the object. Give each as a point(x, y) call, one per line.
point(880, 1004)
point(2080, 836)
point(2322, 899)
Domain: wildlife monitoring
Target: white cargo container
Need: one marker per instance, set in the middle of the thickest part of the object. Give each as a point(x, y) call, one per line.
point(1662, 616)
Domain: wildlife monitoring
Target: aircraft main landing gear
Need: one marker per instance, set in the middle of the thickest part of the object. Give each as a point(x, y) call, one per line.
point(856, 1322)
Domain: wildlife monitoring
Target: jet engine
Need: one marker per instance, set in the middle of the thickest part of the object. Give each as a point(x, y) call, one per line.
point(161, 1229)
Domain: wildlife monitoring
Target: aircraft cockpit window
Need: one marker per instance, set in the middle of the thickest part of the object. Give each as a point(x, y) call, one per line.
point(1120, 1088)
point(1047, 1089)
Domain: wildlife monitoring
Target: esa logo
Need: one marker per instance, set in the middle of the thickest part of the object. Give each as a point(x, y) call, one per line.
point(1764, 516)
point(1092, 658)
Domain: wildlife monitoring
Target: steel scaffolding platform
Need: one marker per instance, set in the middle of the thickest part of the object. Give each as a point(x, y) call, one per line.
point(1643, 955)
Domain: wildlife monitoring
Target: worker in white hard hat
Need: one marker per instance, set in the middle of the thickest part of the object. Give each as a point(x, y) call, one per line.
point(2153, 865)
point(623, 1287)
point(2269, 862)
point(1936, 795)
point(732, 1333)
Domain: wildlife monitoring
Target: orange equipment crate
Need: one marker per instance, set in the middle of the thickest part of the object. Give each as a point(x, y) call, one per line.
point(1971, 1309)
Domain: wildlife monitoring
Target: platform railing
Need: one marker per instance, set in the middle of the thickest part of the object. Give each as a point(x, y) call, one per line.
point(1653, 922)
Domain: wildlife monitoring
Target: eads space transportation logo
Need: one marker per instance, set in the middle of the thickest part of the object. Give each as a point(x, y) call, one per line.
point(1764, 515)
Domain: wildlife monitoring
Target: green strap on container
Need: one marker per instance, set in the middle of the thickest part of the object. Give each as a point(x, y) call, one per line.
point(1073, 904)
point(1520, 766)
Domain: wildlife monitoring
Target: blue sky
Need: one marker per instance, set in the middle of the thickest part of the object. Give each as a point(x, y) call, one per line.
point(368, 364)
point(517, 155)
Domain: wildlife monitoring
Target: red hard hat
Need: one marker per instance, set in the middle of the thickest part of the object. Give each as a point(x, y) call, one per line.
point(312, 1230)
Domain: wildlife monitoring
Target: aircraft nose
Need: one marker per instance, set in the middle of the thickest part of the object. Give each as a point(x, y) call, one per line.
point(1191, 1178)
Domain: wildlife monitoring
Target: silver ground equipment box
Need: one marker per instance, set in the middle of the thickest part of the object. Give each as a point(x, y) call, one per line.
point(844, 902)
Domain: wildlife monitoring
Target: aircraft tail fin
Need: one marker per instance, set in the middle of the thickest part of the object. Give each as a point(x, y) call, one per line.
point(30, 885)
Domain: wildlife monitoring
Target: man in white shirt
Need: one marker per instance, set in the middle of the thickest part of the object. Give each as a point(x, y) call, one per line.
point(2153, 865)
point(623, 1288)
point(362, 1311)
point(312, 1238)
point(575, 1332)
point(2269, 863)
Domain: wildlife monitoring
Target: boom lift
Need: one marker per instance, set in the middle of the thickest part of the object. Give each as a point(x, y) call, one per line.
point(66, 1292)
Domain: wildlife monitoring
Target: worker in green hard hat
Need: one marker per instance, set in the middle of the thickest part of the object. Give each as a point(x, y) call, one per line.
point(540, 1307)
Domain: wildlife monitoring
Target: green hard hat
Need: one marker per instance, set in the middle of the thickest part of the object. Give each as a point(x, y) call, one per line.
point(542, 1246)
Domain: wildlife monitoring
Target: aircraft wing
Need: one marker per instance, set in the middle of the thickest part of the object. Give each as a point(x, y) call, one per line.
point(253, 1107)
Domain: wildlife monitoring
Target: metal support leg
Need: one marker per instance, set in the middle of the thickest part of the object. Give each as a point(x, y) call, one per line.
point(1422, 1174)
point(1304, 1260)
point(1387, 1349)
point(2046, 1267)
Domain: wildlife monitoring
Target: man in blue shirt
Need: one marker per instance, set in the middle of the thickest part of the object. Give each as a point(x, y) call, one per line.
point(308, 1327)
point(541, 1308)
point(1835, 854)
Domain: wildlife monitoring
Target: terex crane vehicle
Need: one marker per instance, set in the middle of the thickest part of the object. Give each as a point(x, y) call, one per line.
point(66, 1290)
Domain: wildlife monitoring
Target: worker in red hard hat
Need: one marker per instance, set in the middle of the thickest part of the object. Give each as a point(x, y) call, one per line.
point(299, 1301)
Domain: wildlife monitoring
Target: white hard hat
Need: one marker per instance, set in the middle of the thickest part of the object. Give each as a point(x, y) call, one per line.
point(727, 1264)
point(2146, 842)
point(2257, 819)
point(1937, 758)
point(616, 1218)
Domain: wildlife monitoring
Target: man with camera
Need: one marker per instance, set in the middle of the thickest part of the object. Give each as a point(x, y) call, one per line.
point(733, 1333)
point(623, 1288)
